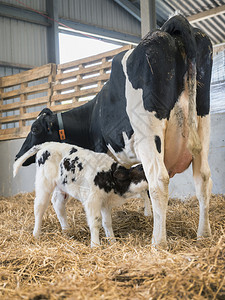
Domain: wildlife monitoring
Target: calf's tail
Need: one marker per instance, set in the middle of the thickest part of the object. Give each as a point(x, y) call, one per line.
point(18, 163)
point(180, 27)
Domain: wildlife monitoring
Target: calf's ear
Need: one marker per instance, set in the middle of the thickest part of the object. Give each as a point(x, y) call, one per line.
point(121, 174)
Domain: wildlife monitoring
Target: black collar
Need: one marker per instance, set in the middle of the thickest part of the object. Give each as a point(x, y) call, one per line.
point(61, 127)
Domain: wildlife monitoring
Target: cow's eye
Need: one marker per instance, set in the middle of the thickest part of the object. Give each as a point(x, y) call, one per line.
point(35, 130)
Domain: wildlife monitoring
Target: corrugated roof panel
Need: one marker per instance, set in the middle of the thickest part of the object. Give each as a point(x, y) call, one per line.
point(38, 5)
point(101, 13)
point(24, 43)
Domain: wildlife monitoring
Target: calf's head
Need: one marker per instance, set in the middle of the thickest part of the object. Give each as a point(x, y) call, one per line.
point(122, 180)
point(42, 130)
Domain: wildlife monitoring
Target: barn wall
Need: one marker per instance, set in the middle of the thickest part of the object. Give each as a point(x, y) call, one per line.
point(180, 186)
point(101, 13)
point(24, 44)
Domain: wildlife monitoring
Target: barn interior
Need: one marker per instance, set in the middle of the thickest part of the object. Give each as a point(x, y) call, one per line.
point(63, 266)
point(30, 39)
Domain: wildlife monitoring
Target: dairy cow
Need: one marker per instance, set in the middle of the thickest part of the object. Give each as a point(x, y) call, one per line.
point(153, 110)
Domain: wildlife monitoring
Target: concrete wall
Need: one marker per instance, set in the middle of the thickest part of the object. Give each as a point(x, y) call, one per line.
point(180, 186)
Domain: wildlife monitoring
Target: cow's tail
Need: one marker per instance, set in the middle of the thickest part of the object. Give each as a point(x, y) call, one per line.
point(18, 163)
point(179, 26)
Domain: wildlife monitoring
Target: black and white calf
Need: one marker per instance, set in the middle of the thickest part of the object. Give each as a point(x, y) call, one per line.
point(93, 178)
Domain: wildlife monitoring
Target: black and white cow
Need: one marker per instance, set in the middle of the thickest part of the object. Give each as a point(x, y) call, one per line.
point(153, 110)
point(95, 179)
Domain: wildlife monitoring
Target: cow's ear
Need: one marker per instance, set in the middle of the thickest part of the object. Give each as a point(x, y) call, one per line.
point(46, 111)
point(121, 174)
point(46, 121)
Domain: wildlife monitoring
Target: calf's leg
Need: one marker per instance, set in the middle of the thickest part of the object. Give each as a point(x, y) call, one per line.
point(93, 212)
point(41, 202)
point(107, 222)
point(59, 203)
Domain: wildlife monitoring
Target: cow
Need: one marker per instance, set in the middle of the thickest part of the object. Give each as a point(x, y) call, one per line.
point(95, 179)
point(154, 110)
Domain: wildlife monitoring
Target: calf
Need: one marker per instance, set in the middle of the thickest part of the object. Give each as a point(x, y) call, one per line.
point(93, 178)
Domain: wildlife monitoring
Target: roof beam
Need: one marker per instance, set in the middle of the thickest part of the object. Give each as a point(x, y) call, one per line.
point(76, 28)
point(22, 14)
point(207, 14)
point(130, 8)
point(148, 16)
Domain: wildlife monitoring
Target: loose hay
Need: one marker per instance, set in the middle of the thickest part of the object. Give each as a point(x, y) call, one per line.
point(62, 266)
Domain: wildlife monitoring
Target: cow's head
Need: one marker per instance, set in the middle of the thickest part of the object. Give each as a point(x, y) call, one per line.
point(42, 130)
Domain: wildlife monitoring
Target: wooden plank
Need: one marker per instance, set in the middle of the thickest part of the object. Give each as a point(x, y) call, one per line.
point(93, 58)
point(207, 14)
point(84, 71)
point(81, 82)
point(26, 76)
point(26, 90)
point(26, 103)
point(64, 107)
point(61, 97)
point(16, 118)
point(23, 97)
point(14, 133)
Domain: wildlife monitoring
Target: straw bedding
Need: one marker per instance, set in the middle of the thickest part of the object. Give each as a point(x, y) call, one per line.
point(63, 266)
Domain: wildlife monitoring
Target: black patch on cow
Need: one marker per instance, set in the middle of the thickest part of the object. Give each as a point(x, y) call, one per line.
point(61, 169)
point(69, 164)
point(73, 179)
point(43, 158)
point(65, 180)
point(158, 143)
point(105, 180)
point(80, 166)
point(204, 70)
point(113, 118)
point(157, 67)
point(73, 150)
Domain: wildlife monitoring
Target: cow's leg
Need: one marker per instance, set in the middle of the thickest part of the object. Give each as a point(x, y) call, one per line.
point(158, 180)
point(151, 153)
point(59, 203)
point(202, 177)
point(41, 202)
point(107, 222)
point(93, 212)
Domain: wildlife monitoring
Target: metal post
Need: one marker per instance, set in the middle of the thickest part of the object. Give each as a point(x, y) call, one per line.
point(52, 7)
point(148, 16)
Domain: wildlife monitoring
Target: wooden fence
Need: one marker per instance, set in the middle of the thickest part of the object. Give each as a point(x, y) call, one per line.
point(60, 88)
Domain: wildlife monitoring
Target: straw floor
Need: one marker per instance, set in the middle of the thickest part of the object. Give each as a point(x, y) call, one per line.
point(59, 266)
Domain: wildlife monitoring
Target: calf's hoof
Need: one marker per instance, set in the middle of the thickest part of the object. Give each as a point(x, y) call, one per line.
point(36, 235)
point(160, 245)
point(204, 234)
point(94, 245)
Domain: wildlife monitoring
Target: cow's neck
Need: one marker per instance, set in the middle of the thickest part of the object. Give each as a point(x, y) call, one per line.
point(76, 124)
